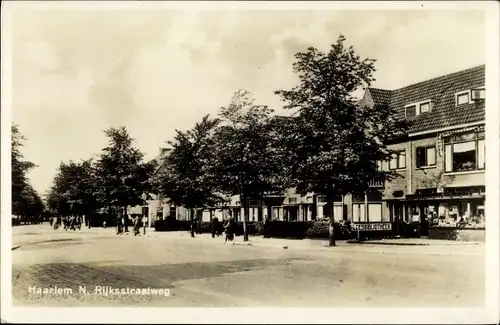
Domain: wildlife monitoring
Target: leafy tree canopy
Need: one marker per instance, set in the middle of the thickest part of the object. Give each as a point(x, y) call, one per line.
point(333, 142)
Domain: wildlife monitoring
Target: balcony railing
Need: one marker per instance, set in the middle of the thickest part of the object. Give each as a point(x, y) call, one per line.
point(377, 183)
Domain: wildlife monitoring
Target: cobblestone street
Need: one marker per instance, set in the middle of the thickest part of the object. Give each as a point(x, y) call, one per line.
point(206, 272)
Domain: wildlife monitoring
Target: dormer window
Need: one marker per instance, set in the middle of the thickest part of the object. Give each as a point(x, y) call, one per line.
point(478, 94)
point(410, 111)
point(462, 98)
point(425, 107)
point(418, 108)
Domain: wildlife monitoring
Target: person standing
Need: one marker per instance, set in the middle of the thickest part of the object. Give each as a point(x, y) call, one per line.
point(215, 227)
point(119, 225)
point(144, 223)
point(229, 230)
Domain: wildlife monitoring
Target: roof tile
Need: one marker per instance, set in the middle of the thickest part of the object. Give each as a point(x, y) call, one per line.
point(442, 91)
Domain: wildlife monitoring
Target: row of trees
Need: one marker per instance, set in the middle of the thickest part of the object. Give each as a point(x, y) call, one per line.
point(330, 145)
point(119, 178)
point(26, 201)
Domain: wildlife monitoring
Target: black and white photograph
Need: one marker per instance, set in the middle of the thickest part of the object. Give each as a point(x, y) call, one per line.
point(313, 162)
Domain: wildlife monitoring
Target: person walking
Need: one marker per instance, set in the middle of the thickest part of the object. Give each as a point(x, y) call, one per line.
point(137, 229)
point(215, 227)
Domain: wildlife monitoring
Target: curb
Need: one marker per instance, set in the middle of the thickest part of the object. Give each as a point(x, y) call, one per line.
point(14, 247)
point(413, 244)
point(391, 244)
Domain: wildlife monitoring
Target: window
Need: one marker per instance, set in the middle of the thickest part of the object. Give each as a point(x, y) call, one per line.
point(426, 156)
point(478, 94)
point(358, 212)
point(462, 98)
point(393, 164)
point(425, 107)
point(465, 152)
point(292, 200)
point(402, 160)
point(375, 212)
point(398, 161)
point(410, 111)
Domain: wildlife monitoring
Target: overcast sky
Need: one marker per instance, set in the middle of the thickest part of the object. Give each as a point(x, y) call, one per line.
point(77, 73)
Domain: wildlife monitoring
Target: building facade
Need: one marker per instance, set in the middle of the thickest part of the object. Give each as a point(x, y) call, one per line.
point(441, 163)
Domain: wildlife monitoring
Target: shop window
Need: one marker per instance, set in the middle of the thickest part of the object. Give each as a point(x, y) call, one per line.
point(358, 212)
point(465, 153)
point(460, 214)
point(426, 156)
point(375, 212)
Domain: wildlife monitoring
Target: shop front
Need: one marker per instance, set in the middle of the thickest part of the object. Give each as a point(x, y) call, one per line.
point(455, 213)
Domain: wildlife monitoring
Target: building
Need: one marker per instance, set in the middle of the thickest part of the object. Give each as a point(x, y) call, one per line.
point(442, 160)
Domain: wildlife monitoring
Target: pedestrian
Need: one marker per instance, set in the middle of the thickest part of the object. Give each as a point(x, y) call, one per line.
point(144, 223)
point(135, 225)
point(229, 230)
point(198, 226)
point(119, 225)
point(215, 227)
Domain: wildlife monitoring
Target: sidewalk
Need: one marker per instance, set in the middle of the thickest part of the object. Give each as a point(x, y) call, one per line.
point(309, 243)
point(416, 242)
point(252, 240)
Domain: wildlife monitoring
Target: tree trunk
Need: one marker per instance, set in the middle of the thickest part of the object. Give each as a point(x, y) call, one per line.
point(245, 218)
point(314, 212)
point(332, 222)
point(192, 221)
point(125, 219)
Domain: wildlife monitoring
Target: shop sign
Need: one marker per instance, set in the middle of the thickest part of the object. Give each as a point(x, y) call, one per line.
point(372, 226)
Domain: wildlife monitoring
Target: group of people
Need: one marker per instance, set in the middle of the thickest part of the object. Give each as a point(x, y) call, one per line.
point(71, 222)
point(137, 222)
point(217, 228)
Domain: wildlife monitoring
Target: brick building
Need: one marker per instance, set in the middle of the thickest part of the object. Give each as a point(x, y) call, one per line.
point(442, 160)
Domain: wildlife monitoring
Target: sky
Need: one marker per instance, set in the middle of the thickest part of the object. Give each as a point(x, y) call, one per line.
point(76, 73)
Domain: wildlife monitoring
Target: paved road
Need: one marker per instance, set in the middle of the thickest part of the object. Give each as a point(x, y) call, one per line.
point(206, 272)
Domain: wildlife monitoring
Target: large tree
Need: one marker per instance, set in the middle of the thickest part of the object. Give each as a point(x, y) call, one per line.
point(21, 188)
point(334, 143)
point(247, 164)
point(74, 189)
point(186, 175)
point(123, 177)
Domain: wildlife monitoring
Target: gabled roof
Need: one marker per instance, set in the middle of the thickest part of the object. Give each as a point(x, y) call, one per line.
point(442, 91)
point(380, 96)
